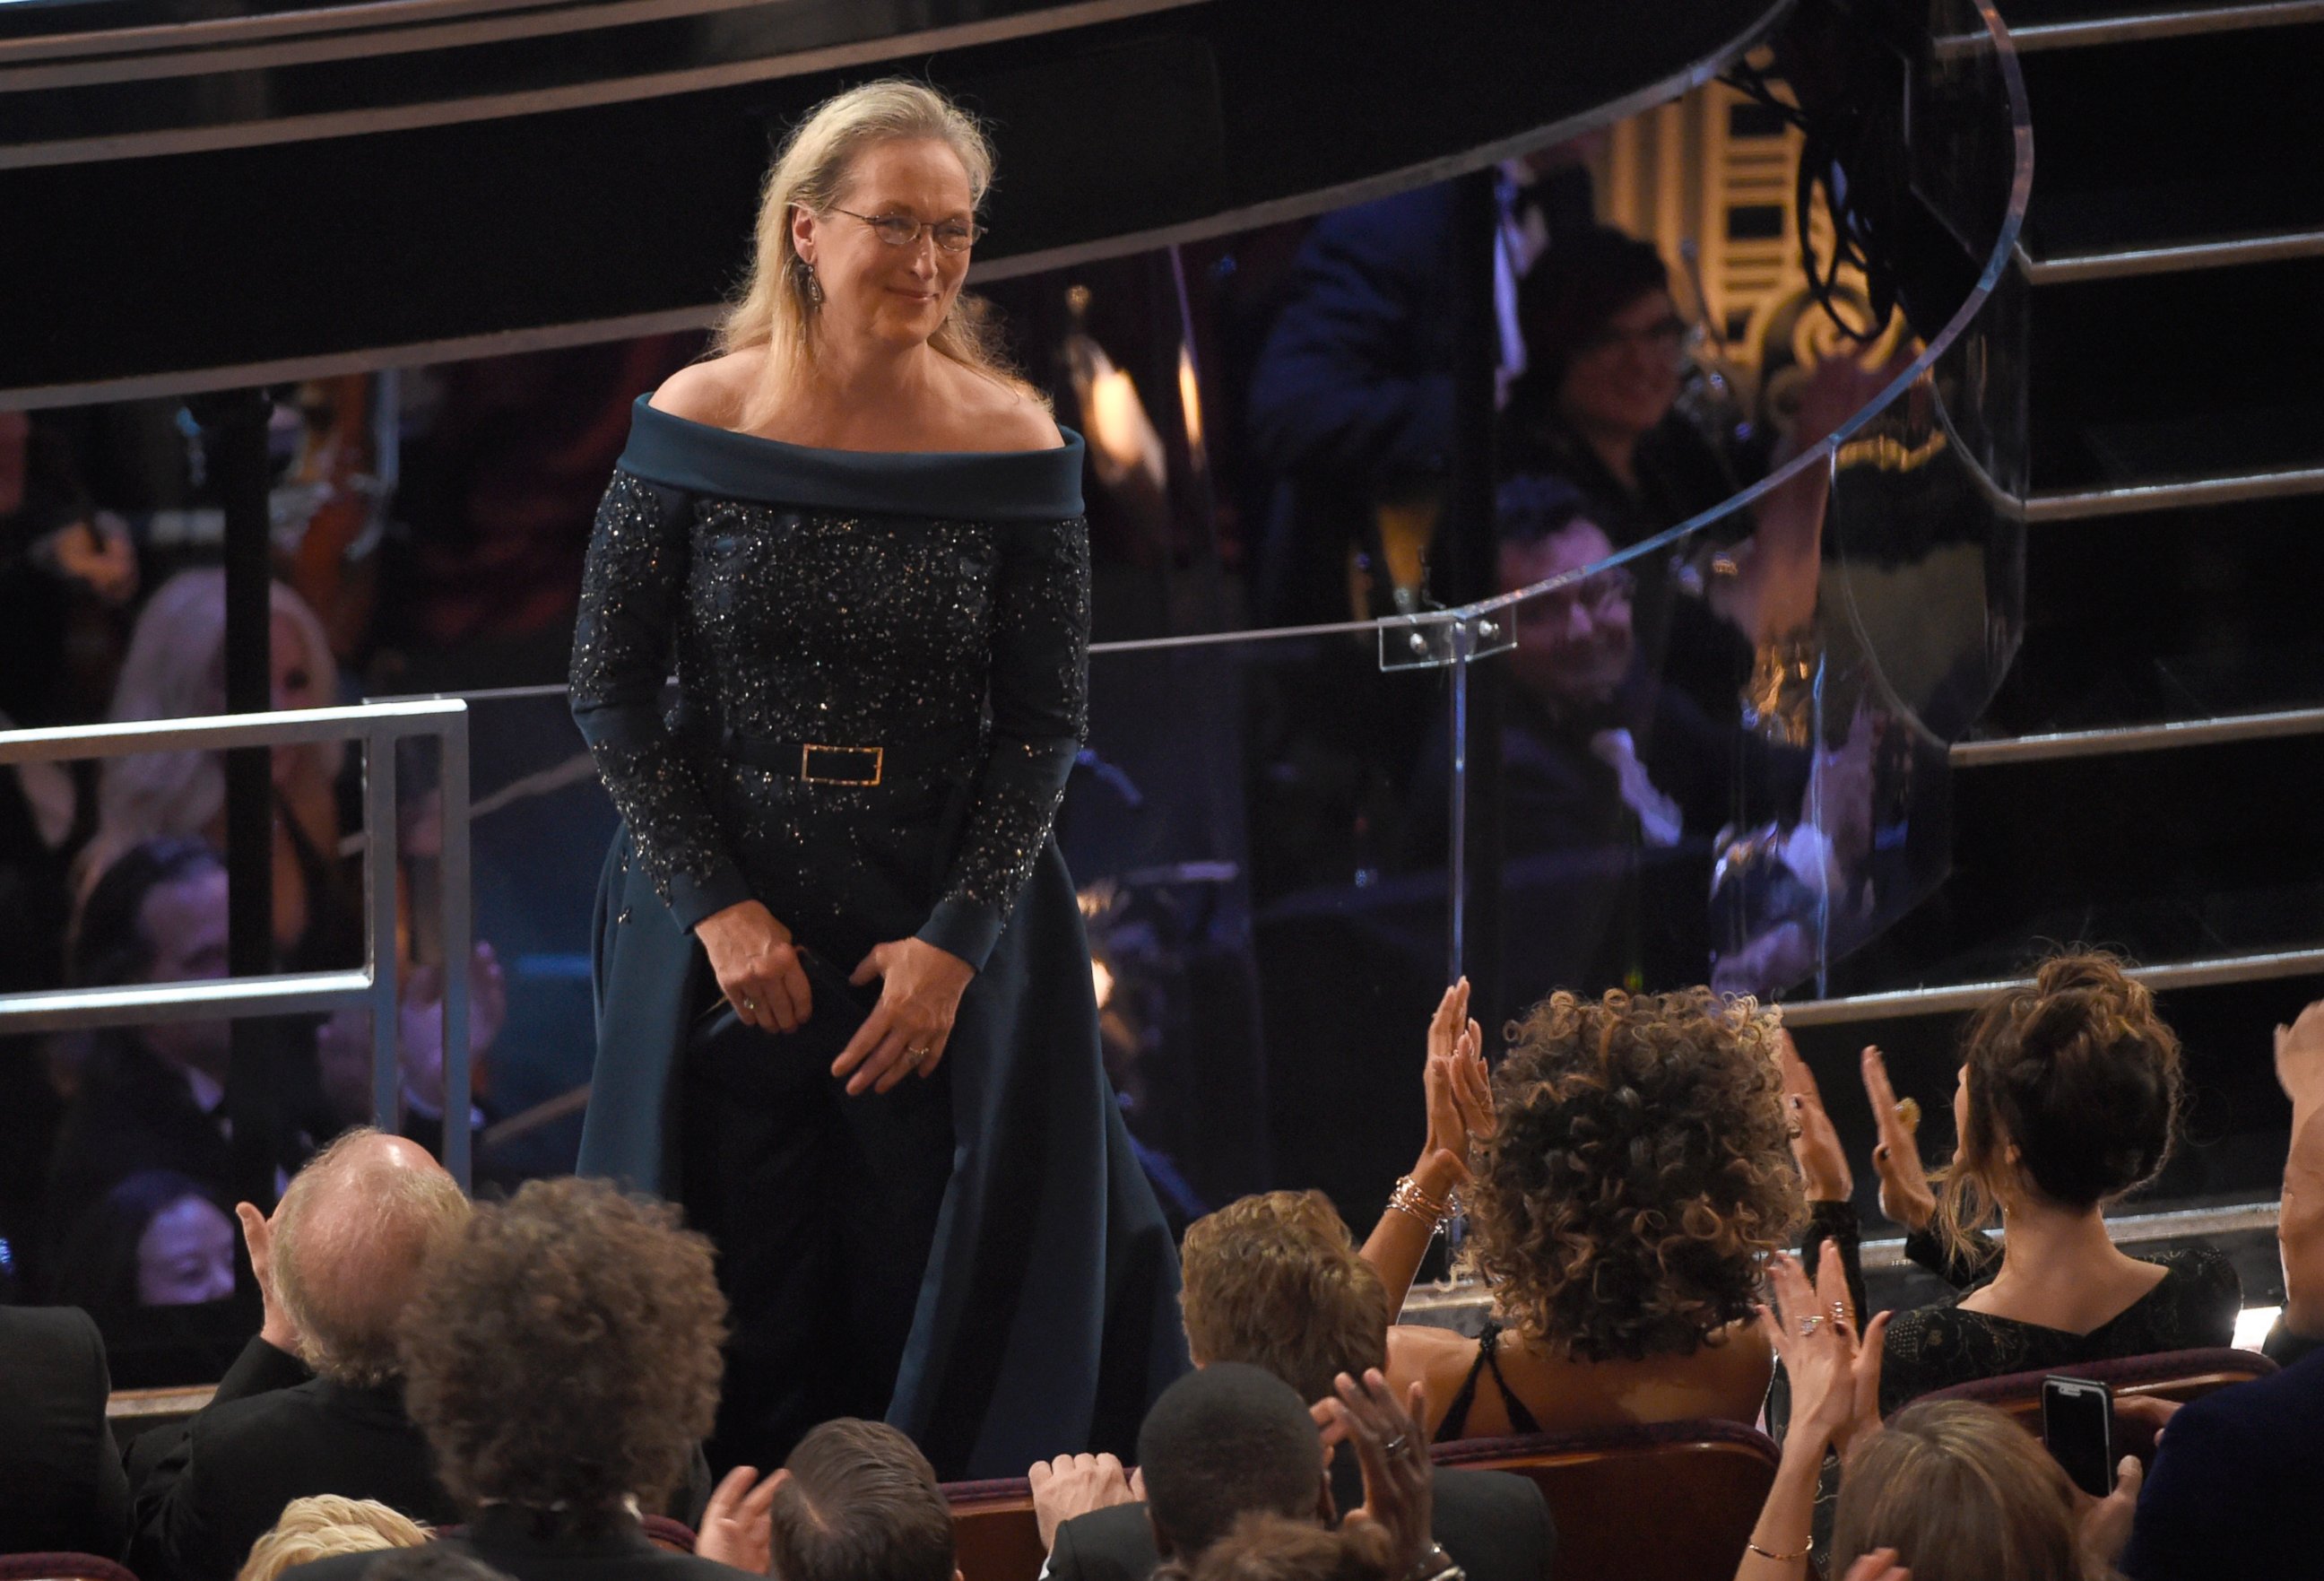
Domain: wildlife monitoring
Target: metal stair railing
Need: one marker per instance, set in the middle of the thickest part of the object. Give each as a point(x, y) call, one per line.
point(377, 727)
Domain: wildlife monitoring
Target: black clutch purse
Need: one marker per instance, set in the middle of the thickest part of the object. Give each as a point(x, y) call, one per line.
point(755, 1065)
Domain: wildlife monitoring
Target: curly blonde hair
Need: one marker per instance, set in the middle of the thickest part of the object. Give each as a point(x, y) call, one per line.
point(1641, 1172)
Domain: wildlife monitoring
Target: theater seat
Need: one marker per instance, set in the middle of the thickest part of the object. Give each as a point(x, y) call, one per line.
point(2180, 1375)
point(60, 1567)
point(992, 1523)
point(673, 1537)
point(1673, 1500)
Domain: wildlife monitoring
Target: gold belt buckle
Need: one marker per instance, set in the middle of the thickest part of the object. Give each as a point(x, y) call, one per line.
point(878, 754)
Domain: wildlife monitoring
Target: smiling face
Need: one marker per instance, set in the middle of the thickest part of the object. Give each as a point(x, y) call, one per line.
point(896, 295)
point(1575, 644)
point(1624, 378)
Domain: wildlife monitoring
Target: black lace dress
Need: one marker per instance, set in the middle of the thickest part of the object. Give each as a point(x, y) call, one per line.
point(881, 664)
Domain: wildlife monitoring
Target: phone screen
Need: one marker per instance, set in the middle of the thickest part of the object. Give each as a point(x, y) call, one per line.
point(2078, 1425)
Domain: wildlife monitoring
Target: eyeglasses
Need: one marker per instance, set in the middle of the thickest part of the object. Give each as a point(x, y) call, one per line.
point(901, 230)
point(1599, 593)
point(1666, 335)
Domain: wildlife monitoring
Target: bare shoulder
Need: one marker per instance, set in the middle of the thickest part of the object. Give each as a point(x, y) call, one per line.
point(709, 391)
point(1005, 414)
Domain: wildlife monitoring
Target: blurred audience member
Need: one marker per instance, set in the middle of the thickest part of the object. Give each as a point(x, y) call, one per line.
point(1275, 1281)
point(1954, 1491)
point(64, 1492)
point(1605, 350)
point(324, 1524)
point(156, 1239)
point(176, 669)
point(2230, 1468)
point(857, 1502)
point(1629, 1175)
point(1351, 400)
point(562, 1361)
point(151, 1097)
point(1597, 752)
point(1229, 1440)
point(2068, 1100)
point(343, 1256)
point(1273, 1548)
point(431, 1561)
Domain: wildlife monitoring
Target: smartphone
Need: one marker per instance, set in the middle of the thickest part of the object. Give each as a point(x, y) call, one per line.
point(2078, 1425)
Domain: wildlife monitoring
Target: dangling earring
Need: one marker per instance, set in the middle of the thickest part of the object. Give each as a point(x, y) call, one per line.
point(814, 287)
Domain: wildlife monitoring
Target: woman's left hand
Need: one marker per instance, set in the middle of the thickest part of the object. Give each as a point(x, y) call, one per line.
point(907, 1031)
point(1459, 1089)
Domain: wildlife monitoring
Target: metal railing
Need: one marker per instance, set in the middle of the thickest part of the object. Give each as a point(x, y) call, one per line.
point(373, 985)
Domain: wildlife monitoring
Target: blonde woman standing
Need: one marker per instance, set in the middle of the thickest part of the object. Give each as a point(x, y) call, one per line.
point(844, 1007)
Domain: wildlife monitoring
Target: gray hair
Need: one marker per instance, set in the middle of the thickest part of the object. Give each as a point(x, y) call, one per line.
point(352, 1241)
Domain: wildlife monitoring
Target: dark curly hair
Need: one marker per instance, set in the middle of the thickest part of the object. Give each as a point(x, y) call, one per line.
point(2080, 1072)
point(1641, 1171)
point(564, 1352)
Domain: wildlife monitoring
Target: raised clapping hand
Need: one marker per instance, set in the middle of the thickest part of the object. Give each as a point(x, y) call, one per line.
point(757, 966)
point(1823, 1165)
point(1835, 1375)
point(1460, 1090)
point(1389, 1446)
point(275, 1327)
point(1905, 1194)
point(907, 1031)
point(738, 1527)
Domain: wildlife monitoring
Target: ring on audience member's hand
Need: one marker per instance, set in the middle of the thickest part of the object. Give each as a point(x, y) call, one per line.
point(1396, 1446)
point(1908, 1114)
point(914, 1056)
point(1810, 1323)
point(1839, 1312)
point(749, 1003)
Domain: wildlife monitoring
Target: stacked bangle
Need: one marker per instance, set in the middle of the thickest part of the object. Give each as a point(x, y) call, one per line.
point(1410, 1198)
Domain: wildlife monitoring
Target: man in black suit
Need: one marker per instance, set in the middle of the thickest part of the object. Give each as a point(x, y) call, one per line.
point(2233, 1472)
point(523, 1357)
point(61, 1488)
point(315, 1404)
point(1273, 1282)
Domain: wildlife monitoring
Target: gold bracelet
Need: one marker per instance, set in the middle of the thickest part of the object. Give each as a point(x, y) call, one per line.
point(1408, 1197)
point(1781, 1559)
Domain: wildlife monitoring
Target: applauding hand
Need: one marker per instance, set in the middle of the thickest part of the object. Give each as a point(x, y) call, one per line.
point(1824, 1166)
point(1905, 1194)
point(1835, 1376)
point(1459, 1088)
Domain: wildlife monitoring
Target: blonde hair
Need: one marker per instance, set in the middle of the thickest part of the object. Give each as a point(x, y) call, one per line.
point(325, 1525)
point(175, 668)
point(372, 1239)
point(811, 171)
point(1962, 1493)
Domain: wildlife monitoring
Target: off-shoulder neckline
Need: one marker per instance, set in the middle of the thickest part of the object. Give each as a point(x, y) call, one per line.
point(704, 459)
point(645, 404)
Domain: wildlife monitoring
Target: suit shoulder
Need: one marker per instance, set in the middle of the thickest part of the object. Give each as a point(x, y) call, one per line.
point(62, 1344)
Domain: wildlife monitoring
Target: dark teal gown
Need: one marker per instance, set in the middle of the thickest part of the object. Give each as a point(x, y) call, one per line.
point(936, 606)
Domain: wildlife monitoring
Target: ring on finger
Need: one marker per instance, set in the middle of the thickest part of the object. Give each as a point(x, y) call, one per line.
point(1838, 1313)
point(1396, 1446)
point(1810, 1323)
point(914, 1056)
point(749, 1003)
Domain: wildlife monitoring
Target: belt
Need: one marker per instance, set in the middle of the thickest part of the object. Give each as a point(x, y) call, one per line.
point(819, 762)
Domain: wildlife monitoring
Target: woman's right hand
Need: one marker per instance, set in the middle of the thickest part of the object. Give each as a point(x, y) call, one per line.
point(757, 966)
point(1905, 1194)
point(1835, 1372)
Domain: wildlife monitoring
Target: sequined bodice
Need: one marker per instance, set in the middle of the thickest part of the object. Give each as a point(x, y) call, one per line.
point(855, 600)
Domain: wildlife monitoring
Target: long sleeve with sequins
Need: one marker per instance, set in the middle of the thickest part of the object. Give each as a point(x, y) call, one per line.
point(633, 590)
point(1040, 715)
